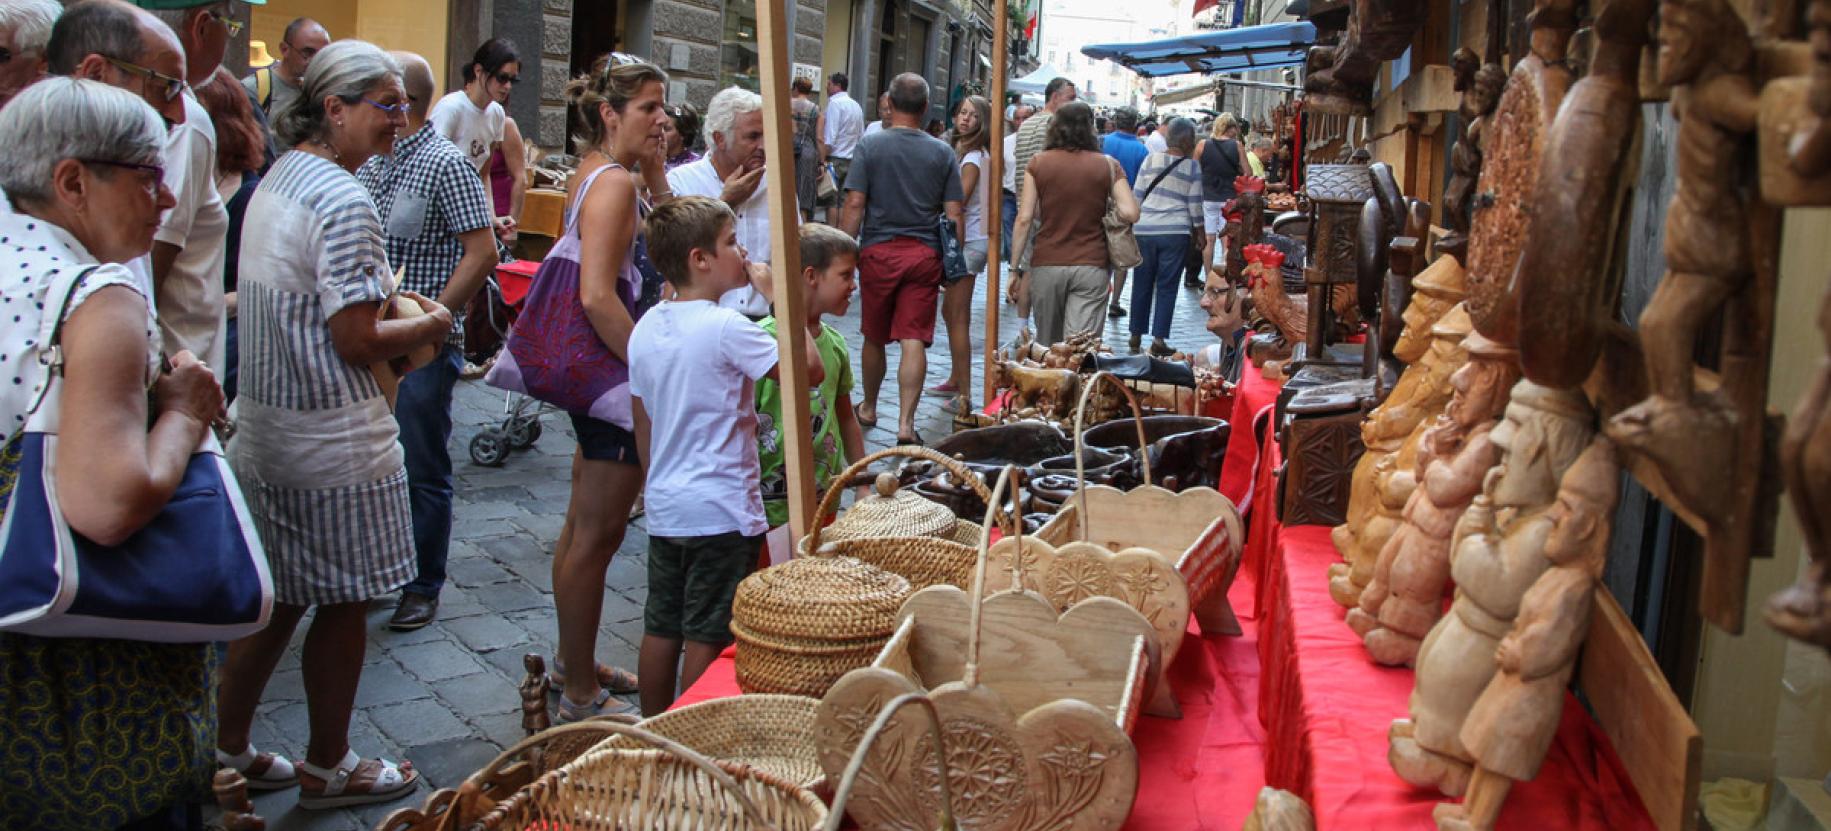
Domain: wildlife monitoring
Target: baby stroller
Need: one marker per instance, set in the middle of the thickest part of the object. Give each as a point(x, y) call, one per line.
point(498, 304)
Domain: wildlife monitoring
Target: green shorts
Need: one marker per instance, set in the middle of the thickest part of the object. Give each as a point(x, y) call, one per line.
point(691, 581)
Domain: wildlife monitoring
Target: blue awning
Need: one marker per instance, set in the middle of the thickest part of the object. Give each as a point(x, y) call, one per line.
point(1228, 50)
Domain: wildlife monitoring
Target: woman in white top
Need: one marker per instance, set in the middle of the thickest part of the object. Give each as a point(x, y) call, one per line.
point(972, 141)
point(473, 117)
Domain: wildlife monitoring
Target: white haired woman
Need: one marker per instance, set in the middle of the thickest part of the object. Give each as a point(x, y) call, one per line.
point(317, 450)
point(25, 29)
point(99, 733)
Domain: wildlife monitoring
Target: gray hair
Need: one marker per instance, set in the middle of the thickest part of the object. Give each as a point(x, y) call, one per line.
point(1262, 143)
point(1181, 136)
point(346, 69)
point(93, 27)
point(30, 21)
point(726, 106)
point(67, 118)
point(908, 94)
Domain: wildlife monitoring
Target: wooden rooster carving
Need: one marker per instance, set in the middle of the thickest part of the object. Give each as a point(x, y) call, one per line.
point(1289, 313)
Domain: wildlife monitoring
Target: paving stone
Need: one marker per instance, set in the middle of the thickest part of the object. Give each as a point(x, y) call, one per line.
point(476, 571)
point(455, 602)
point(486, 633)
point(482, 528)
point(436, 660)
point(619, 608)
point(285, 685)
point(513, 596)
point(446, 764)
point(387, 683)
point(501, 729)
point(513, 547)
point(277, 808)
point(508, 662)
point(543, 527)
point(479, 694)
point(423, 721)
point(500, 493)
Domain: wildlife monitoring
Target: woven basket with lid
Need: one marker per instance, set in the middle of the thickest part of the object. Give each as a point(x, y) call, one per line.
point(898, 530)
point(802, 624)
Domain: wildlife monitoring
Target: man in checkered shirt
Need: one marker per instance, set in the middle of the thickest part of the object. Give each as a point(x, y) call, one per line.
point(437, 222)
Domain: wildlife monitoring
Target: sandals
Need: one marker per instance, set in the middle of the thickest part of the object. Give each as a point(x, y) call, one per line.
point(914, 439)
point(263, 771)
point(616, 679)
point(602, 705)
point(858, 411)
point(387, 782)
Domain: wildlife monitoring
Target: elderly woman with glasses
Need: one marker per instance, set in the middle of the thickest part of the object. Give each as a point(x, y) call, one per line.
point(317, 450)
point(99, 733)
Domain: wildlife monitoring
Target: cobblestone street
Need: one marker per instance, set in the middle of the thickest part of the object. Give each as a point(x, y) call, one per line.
point(445, 696)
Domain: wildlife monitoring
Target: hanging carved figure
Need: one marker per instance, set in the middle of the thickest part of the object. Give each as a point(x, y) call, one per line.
point(1480, 85)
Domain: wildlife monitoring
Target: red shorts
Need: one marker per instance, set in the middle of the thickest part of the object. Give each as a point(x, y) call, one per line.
point(899, 287)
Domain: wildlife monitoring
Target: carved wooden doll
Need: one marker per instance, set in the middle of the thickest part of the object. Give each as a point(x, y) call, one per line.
point(1803, 610)
point(1499, 553)
point(1511, 726)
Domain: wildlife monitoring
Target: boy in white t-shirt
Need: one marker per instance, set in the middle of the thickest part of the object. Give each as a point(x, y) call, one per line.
point(692, 370)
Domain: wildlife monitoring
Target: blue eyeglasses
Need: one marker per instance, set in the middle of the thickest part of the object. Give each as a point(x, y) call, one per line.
point(399, 109)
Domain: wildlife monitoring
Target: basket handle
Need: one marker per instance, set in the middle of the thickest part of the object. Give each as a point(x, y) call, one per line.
point(1080, 427)
point(837, 815)
point(692, 756)
point(829, 502)
point(1007, 481)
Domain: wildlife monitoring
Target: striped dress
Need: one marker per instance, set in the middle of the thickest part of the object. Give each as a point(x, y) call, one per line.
point(317, 449)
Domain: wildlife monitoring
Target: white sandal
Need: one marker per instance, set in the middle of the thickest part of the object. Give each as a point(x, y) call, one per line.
point(262, 771)
point(393, 782)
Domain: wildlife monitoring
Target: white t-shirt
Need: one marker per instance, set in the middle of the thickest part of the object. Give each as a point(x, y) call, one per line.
point(1010, 183)
point(1155, 143)
point(700, 178)
point(694, 366)
point(475, 131)
point(975, 204)
point(190, 300)
point(845, 121)
point(874, 127)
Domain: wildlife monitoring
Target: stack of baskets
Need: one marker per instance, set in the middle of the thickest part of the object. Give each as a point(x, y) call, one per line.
point(801, 625)
point(896, 529)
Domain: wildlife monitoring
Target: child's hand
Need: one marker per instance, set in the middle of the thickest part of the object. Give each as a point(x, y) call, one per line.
point(762, 280)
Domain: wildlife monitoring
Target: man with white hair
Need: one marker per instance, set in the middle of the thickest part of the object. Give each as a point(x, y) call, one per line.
point(25, 28)
point(732, 170)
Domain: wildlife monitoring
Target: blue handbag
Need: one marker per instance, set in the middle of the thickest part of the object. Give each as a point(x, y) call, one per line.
point(195, 573)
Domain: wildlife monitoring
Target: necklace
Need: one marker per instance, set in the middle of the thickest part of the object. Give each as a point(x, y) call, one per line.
point(335, 156)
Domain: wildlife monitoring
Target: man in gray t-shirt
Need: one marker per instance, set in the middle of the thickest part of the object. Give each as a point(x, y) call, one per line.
point(901, 182)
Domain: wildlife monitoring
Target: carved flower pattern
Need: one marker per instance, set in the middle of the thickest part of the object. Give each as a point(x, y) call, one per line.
point(1076, 578)
point(1141, 587)
point(985, 770)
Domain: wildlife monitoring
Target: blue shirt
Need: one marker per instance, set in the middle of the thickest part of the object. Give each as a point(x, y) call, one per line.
point(1128, 149)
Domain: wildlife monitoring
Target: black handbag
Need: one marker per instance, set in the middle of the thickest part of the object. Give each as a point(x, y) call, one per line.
point(953, 255)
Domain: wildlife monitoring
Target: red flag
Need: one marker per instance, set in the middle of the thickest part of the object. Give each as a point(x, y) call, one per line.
point(1203, 5)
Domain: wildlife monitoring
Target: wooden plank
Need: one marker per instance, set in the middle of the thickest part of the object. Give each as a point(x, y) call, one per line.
point(994, 212)
point(785, 241)
point(1658, 743)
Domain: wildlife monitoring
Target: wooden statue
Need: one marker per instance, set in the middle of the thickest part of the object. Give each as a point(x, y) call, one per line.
point(1568, 281)
point(1699, 449)
point(1405, 259)
point(1051, 391)
point(1331, 268)
point(1511, 725)
point(1511, 152)
point(1499, 554)
point(534, 689)
point(1414, 403)
point(1249, 228)
point(1803, 610)
point(231, 791)
point(1480, 84)
point(1279, 810)
point(1340, 77)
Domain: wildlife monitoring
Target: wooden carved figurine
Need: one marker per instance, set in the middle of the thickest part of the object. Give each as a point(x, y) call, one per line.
point(1248, 228)
point(1511, 726)
point(1279, 810)
point(231, 791)
point(534, 689)
point(1499, 553)
point(1405, 596)
point(1414, 403)
point(1480, 84)
point(1050, 391)
point(1803, 610)
point(1696, 440)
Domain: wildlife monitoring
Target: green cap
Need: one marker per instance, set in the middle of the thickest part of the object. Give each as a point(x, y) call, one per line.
point(159, 5)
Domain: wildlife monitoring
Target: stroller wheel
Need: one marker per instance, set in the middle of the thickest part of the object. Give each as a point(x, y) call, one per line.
point(523, 432)
point(489, 448)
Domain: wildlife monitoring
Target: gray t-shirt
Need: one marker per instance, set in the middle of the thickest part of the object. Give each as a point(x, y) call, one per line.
point(281, 96)
point(906, 175)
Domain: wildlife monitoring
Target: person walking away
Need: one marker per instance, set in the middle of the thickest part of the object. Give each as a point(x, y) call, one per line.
point(621, 110)
point(100, 733)
point(25, 29)
point(436, 225)
point(1219, 155)
point(240, 142)
point(693, 366)
point(1019, 114)
point(732, 171)
point(829, 265)
point(1156, 137)
point(972, 138)
point(1124, 146)
point(806, 116)
point(1169, 191)
point(1030, 138)
point(843, 126)
point(902, 183)
point(1065, 196)
point(316, 449)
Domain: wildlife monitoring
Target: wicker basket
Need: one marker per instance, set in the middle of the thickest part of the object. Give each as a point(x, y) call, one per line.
point(802, 624)
point(668, 787)
point(942, 554)
point(772, 733)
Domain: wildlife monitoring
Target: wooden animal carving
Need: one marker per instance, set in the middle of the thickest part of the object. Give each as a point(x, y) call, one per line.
point(1511, 725)
point(1277, 810)
point(1500, 553)
point(1051, 391)
point(1290, 314)
point(1803, 610)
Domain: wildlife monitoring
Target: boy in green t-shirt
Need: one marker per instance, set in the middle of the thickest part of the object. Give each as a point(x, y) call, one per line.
point(829, 263)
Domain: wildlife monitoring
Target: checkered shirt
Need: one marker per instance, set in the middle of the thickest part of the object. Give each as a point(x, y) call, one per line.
point(427, 194)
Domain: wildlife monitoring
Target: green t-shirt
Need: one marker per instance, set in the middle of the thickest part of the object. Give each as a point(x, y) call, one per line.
point(829, 445)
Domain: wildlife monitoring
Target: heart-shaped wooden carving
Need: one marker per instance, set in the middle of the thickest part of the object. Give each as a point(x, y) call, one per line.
point(1065, 763)
point(1142, 578)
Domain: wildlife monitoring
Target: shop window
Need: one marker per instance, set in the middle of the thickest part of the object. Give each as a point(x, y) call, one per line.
point(739, 64)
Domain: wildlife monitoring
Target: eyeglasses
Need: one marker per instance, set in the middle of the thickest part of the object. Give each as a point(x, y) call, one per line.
point(234, 26)
point(173, 86)
point(151, 174)
point(307, 53)
point(5, 54)
point(399, 109)
point(506, 78)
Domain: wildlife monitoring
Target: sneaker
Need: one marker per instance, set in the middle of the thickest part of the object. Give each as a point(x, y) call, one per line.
point(944, 389)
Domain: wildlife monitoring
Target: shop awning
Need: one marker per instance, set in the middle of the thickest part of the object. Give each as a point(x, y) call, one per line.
point(1228, 50)
point(1035, 81)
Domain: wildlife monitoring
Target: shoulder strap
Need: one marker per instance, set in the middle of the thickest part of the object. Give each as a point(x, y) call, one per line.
point(1160, 174)
point(263, 85)
point(572, 212)
point(51, 340)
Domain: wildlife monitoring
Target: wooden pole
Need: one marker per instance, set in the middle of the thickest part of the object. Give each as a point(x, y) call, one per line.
point(774, 47)
point(994, 211)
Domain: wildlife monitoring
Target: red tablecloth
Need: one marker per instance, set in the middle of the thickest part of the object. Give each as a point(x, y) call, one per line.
point(1251, 398)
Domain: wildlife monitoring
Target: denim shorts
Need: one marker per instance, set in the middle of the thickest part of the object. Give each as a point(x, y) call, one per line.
point(602, 441)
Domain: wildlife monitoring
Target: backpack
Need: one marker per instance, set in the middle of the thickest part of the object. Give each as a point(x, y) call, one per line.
point(263, 86)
